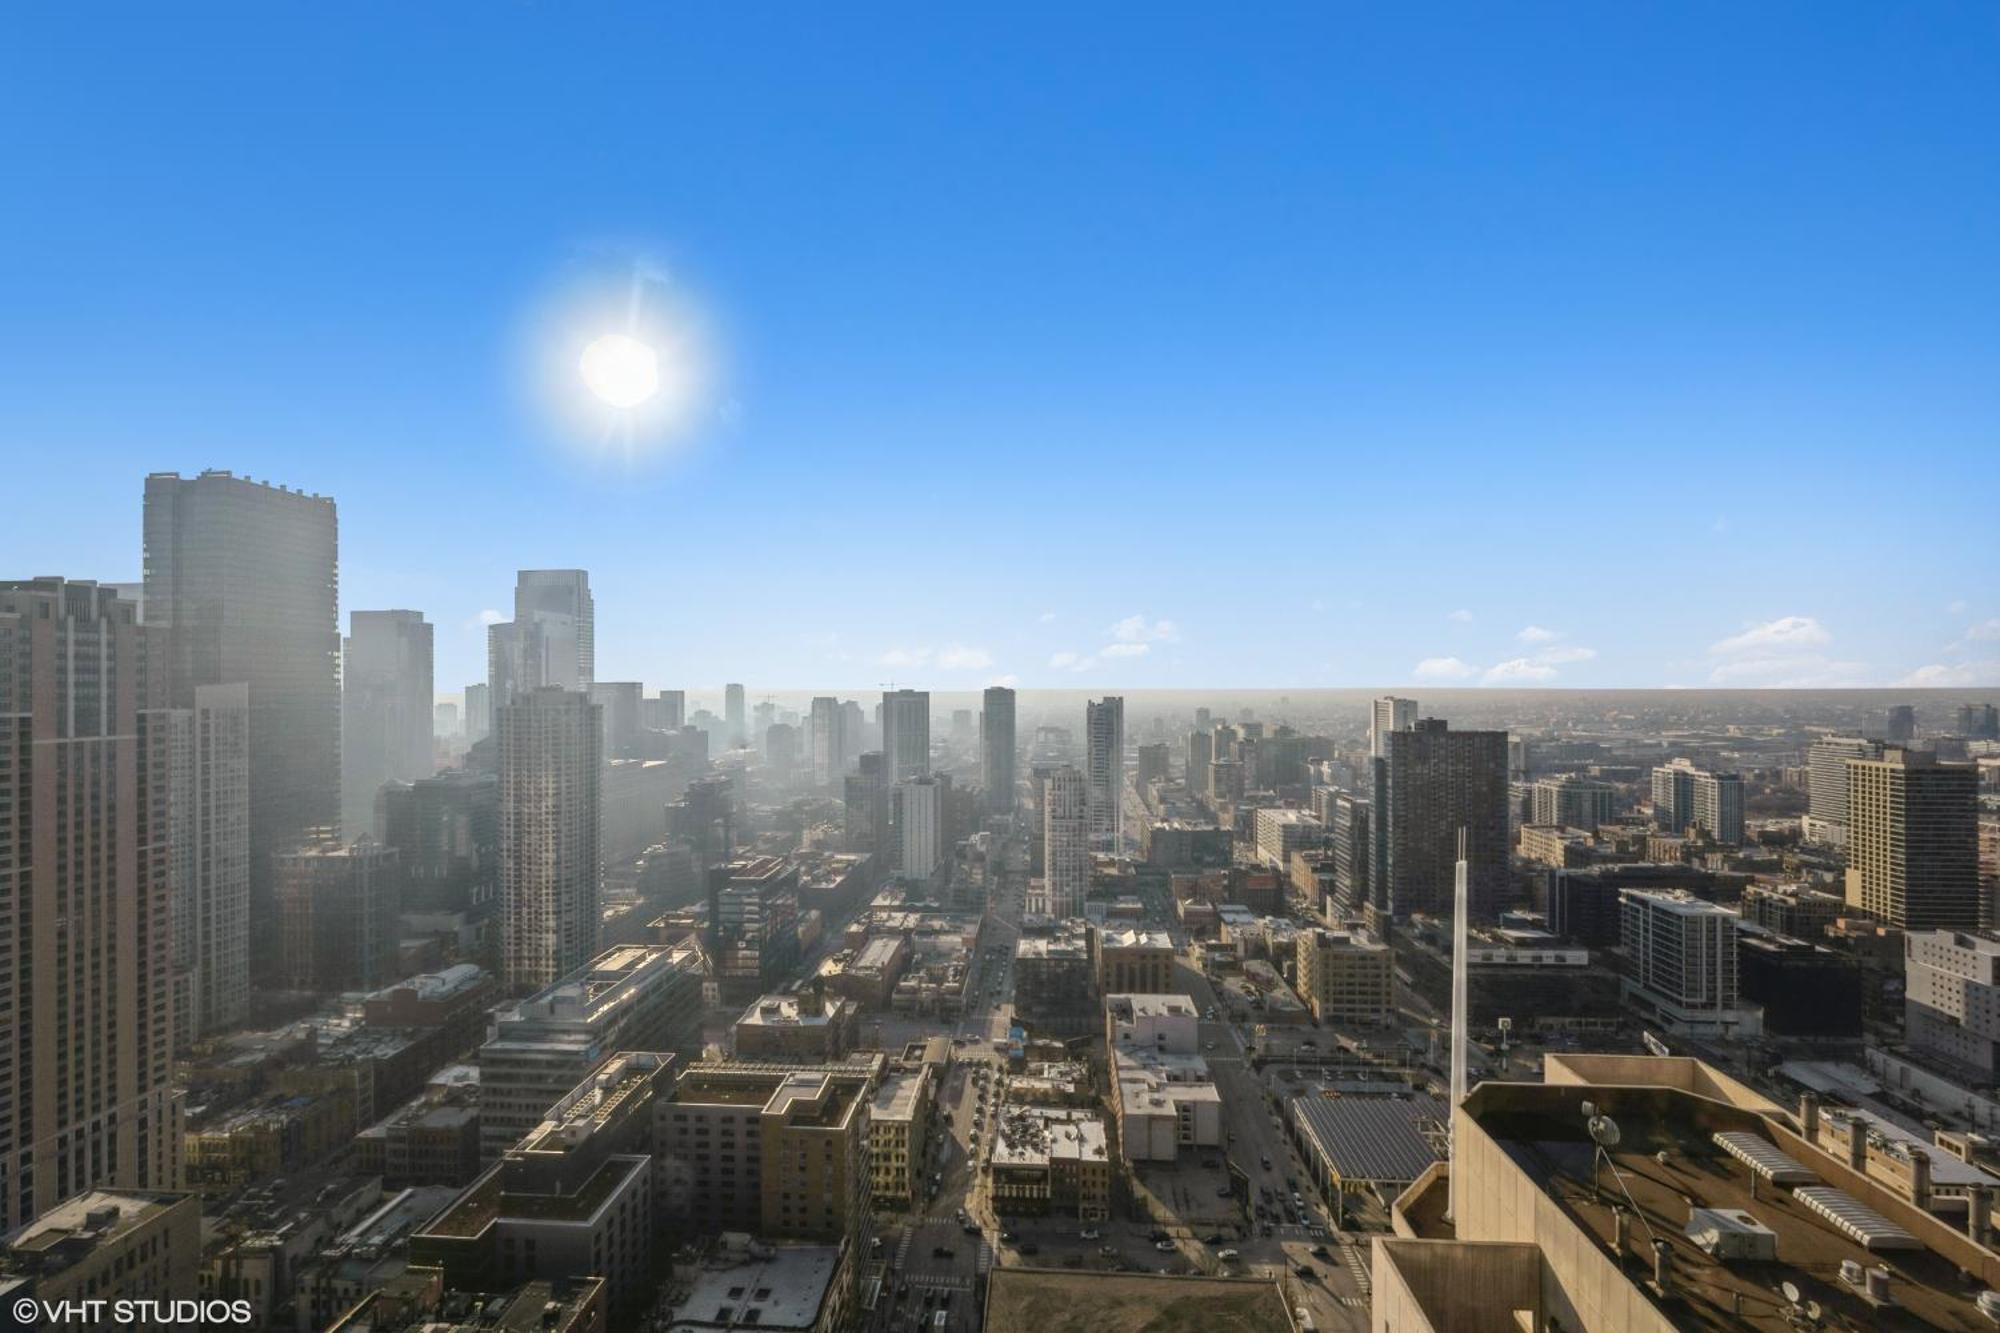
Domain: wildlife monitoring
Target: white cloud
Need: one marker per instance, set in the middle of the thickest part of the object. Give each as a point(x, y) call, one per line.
point(1961, 673)
point(1067, 661)
point(1792, 671)
point(1443, 668)
point(1046, 617)
point(1518, 668)
point(1008, 681)
point(1986, 631)
point(1564, 654)
point(958, 657)
point(905, 657)
point(487, 617)
point(1957, 607)
point(1786, 633)
point(1127, 649)
point(1136, 629)
point(1460, 616)
point(1536, 634)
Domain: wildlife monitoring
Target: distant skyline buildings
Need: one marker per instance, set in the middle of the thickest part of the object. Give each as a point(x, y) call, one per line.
point(906, 734)
point(1104, 771)
point(242, 579)
point(386, 711)
point(999, 749)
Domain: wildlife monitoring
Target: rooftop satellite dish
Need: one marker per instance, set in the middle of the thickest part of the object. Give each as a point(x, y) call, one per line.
point(1604, 1131)
point(1791, 1290)
point(1589, 1110)
point(1813, 1312)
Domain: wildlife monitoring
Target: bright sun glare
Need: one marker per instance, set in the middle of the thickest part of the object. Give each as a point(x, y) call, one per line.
point(621, 370)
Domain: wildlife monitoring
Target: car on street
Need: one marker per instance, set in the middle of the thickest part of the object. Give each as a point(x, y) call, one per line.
point(1088, 1233)
point(1164, 1246)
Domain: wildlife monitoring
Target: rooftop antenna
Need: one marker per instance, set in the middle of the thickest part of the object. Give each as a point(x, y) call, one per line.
point(1460, 910)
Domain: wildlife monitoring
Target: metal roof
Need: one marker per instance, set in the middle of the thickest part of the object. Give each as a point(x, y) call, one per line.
point(1391, 1138)
point(1856, 1220)
point(1758, 1154)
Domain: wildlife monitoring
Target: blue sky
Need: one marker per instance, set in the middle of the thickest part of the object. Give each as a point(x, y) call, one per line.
point(1150, 346)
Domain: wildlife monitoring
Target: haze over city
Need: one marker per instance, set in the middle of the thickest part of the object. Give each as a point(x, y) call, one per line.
point(883, 669)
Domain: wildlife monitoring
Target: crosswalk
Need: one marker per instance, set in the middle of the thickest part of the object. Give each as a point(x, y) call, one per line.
point(1356, 1264)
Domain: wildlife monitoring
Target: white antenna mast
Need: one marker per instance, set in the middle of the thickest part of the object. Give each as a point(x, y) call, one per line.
point(1460, 1034)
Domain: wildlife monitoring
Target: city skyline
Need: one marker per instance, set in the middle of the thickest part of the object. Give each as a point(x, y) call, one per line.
point(1403, 274)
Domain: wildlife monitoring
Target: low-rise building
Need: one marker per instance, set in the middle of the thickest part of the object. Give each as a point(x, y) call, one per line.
point(1130, 958)
point(897, 1124)
point(1050, 1160)
point(745, 1284)
point(1346, 978)
point(111, 1245)
point(805, 1026)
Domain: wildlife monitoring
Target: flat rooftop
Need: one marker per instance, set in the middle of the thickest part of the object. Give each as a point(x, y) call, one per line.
point(1034, 1300)
point(1668, 1163)
point(780, 1287)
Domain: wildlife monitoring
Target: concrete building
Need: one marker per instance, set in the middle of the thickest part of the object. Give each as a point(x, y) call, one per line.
point(774, 1288)
point(1572, 801)
point(478, 712)
point(1913, 841)
point(1346, 979)
point(753, 920)
point(551, 751)
point(87, 876)
point(1683, 956)
point(665, 711)
point(797, 1027)
point(1281, 832)
point(781, 1150)
point(1133, 959)
point(1431, 783)
point(1054, 990)
point(386, 713)
point(917, 809)
point(108, 1245)
point(618, 704)
point(1951, 1000)
point(998, 750)
point(1792, 909)
point(1065, 843)
point(1104, 772)
point(209, 753)
point(906, 735)
point(1539, 1238)
point(1050, 1160)
point(241, 579)
point(636, 997)
point(338, 915)
point(826, 742)
point(1825, 821)
point(897, 1121)
point(574, 1197)
point(1352, 844)
point(1386, 716)
point(1685, 796)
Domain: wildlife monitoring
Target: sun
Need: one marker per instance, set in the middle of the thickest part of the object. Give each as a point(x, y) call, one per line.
point(620, 370)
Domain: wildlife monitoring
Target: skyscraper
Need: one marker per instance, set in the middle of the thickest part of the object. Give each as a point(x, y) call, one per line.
point(998, 752)
point(86, 960)
point(736, 728)
point(1200, 754)
point(478, 713)
point(1104, 770)
point(446, 832)
point(906, 733)
point(1902, 724)
point(667, 710)
point(551, 752)
point(550, 642)
point(620, 702)
point(919, 812)
point(338, 904)
point(1065, 842)
point(1432, 782)
point(385, 710)
point(1684, 796)
point(242, 580)
point(867, 806)
point(1913, 841)
point(1826, 786)
point(1388, 714)
point(209, 810)
point(561, 598)
point(826, 741)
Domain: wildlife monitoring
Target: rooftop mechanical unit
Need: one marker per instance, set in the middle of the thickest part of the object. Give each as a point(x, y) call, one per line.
point(1731, 1233)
